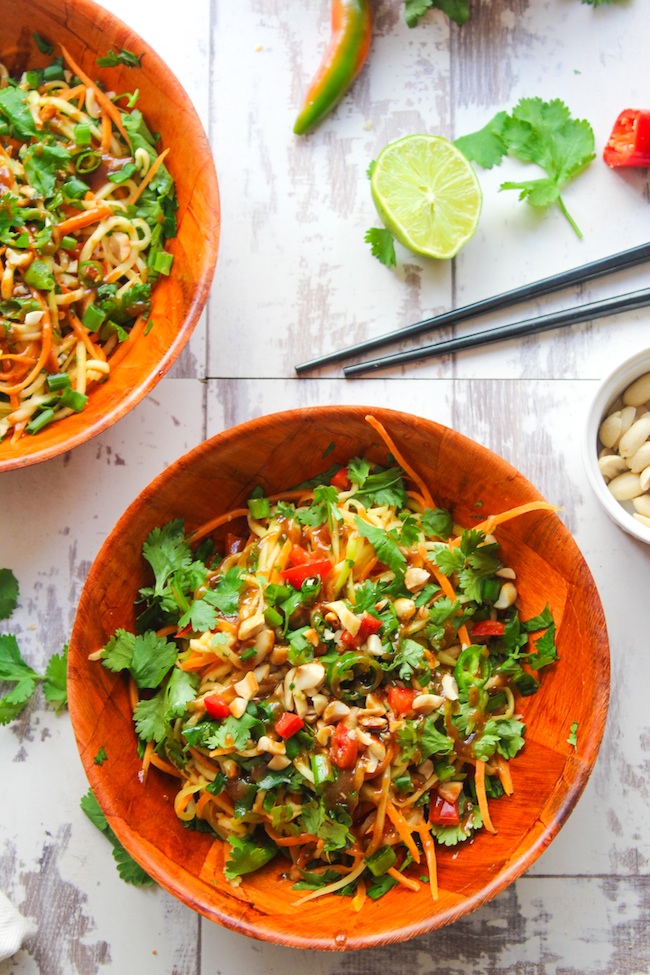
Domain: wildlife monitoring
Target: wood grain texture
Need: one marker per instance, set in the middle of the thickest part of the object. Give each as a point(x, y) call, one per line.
point(276, 452)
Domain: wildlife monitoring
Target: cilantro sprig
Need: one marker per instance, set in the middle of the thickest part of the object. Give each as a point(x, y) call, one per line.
point(15, 670)
point(130, 871)
point(539, 132)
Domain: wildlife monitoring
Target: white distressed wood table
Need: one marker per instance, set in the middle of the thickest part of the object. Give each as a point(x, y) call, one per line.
point(295, 279)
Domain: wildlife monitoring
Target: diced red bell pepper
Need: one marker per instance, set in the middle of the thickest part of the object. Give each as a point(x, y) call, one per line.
point(369, 624)
point(629, 143)
point(217, 706)
point(344, 749)
point(488, 628)
point(288, 724)
point(299, 555)
point(442, 812)
point(400, 699)
point(341, 480)
point(295, 575)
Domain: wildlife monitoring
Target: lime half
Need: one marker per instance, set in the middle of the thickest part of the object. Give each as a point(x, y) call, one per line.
point(427, 194)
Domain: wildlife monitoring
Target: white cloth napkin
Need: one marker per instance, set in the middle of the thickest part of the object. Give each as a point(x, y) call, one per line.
point(14, 928)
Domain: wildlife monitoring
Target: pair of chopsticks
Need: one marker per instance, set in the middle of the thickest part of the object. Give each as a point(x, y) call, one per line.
point(569, 316)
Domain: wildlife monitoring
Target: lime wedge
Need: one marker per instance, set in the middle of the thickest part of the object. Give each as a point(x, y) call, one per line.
point(427, 194)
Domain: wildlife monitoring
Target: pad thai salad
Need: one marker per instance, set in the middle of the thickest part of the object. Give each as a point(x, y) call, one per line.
point(336, 684)
point(86, 207)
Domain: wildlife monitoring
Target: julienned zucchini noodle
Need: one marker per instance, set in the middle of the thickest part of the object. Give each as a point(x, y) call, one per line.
point(86, 206)
point(339, 686)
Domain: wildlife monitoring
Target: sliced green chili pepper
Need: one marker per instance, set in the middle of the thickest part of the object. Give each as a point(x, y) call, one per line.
point(345, 56)
point(353, 675)
point(472, 668)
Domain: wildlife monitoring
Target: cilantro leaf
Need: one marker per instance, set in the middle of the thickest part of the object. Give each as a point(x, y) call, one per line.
point(317, 820)
point(537, 132)
point(383, 487)
point(456, 10)
point(225, 595)
point(382, 245)
point(125, 57)
point(545, 650)
point(385, 546)
point(437, 523)
point(153, 715)
point(235, 732)
point(130, 871)
point(14, 107)
point(55, 680)
point(411, 661)
point(248, 854)
point(166, 550)
point(573, 734)
point(8, 593)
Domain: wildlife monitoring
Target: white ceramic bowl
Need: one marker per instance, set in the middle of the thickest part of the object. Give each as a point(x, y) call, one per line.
point(611, 387)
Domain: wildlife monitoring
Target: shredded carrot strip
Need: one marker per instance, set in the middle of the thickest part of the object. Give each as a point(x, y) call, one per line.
point(69, 94)
point(367, 569)
point(281, 562)
point(199, 659)
point(401, 879)
point(492, 521)
point(298, 840)
point(134, 697)
point(404, 830)
point(124, 347)
point(83, 219)
point(102, 99)
point(448, 589)
point(381, 430)
point(210, 526)
point(83, 336)
point(481, 795)
point(503, 771)
point(107, 131)
point(164, 766)
point(46, 348)
point(430, 854)
point(151, 172)
point(146, 759)
point(359, 898)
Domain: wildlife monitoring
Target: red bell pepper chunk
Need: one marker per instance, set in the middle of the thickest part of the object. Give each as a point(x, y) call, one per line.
point(369, 624)
point(288, 724)
point(299, 555)
point(295, 575)
point(341, 480)
point(217, 706)
point(400, 699)
point(488, 628)
point(344, 748)
point(443, 813)
point(629, 143)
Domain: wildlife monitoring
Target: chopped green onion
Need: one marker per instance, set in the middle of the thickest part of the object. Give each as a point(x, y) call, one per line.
point(126, 172)
point(73, 399)
point(82, 134)
point(93, 317)
point(39, 275)
point(54, 71)
point(74, 188)
point(403, 783)
point(87, 162)
point(162, 262)
point(33, 78)
point(381, 861)
point(273, 617)
point(322, 768)
point(68, 243)
point(40, 421)
point(59, 380)
point(259, 507)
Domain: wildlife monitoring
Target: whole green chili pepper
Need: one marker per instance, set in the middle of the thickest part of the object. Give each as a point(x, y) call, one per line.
point(345, 56)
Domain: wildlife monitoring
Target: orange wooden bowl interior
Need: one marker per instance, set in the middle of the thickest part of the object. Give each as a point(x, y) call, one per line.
point(279, 451)
point(88, 31)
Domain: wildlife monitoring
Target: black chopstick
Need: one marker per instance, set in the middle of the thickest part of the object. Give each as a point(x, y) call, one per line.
point(605, 265)
point(557, 319)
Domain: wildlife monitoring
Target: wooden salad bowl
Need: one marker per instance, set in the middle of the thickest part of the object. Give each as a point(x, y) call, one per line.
point(88, 31)
point(281, 451)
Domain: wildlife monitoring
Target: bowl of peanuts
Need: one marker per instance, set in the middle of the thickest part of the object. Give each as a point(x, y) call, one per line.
point(617, 445)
